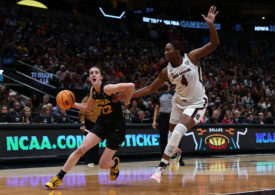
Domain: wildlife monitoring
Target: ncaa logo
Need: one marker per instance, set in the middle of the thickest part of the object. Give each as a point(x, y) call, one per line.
point(1, 75)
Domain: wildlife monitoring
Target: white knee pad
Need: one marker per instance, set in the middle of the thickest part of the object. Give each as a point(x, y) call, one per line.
point(169, 135)
point(174, 141)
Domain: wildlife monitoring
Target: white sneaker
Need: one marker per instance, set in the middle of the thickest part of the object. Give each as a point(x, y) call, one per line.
point(91, 165)
point(157, 175)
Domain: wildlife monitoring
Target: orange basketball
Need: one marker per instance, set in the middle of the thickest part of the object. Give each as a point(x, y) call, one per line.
point(65, 99)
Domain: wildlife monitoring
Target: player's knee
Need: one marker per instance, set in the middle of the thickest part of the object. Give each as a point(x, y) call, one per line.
point(176, 136)
point(80, 151)
point(181, 129)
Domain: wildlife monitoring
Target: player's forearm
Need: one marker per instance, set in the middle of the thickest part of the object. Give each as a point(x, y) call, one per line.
point(142, 92)
point(81, 115)
point(116, 88)
point(156, 113)
point(214, 37)
point(127, 86)
point(81, 106)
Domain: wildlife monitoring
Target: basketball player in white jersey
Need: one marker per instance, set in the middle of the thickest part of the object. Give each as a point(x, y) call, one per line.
point(189, 102)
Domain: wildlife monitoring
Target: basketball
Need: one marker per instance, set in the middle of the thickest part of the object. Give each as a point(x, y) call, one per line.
point(65, 99)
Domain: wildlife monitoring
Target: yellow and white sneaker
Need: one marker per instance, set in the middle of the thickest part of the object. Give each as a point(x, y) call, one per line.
point(114, 171)
point(54, 182)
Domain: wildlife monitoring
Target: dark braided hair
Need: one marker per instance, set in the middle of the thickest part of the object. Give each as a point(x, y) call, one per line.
point(178, 46)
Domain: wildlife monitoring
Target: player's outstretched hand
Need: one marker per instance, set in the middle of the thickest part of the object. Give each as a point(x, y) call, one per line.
point(210, 19)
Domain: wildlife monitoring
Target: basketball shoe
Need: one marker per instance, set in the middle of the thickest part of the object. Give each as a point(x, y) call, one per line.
point(157, 175)
point(174, 161)
point(54, 182)
point(114, 171)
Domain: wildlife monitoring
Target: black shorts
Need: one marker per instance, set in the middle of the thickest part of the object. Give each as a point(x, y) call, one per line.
point(113, 132)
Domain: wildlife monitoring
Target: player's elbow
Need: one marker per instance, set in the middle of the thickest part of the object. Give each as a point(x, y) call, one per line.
point(153, 89)
point(131, 85)
point(216, 43)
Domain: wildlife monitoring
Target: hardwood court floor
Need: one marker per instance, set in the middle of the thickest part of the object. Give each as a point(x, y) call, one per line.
point(215, 175)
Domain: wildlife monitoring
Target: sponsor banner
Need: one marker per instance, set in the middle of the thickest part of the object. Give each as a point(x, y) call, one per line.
point(270, 28)
point(18, 143)
point(43, 77)
point(35, 141)
point(229, 138)
point(138, 141)
point(182, 23)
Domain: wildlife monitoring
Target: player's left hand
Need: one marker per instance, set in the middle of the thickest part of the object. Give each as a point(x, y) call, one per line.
point(211, 15)
point(119, 97)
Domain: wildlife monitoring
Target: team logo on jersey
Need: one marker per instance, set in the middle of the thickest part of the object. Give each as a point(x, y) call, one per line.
point(181, 73)
point(187, 62)
point(216, 139)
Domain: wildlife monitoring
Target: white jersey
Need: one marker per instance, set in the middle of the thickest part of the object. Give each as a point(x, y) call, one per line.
point(188, 80)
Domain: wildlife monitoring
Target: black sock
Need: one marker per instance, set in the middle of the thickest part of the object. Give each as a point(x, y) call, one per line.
point(163, 165)
point(61, 174)
point(116, 161)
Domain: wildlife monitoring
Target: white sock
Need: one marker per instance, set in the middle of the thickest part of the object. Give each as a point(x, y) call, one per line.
point(164, 161)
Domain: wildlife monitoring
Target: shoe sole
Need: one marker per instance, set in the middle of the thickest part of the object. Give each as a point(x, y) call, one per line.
point(48, 187)
point(116, 177)
point(52, 187)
